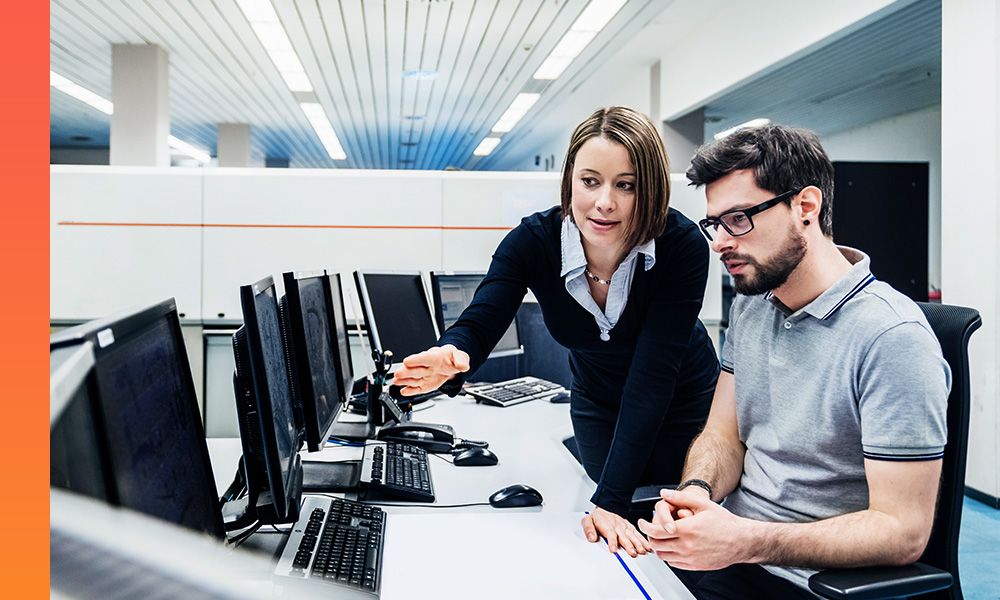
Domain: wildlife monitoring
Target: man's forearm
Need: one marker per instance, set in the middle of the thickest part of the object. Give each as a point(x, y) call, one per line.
point(717, 460)
point(863, 538)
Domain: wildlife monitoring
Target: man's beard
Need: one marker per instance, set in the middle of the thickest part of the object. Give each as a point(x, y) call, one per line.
point(773, 274)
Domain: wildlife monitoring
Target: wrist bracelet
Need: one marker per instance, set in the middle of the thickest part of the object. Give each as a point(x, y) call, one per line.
point(696, 482)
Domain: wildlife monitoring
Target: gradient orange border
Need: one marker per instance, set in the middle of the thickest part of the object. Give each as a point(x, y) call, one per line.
point(24, 303)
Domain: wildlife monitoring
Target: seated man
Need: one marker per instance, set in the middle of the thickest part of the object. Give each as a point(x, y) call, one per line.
point(827, 427)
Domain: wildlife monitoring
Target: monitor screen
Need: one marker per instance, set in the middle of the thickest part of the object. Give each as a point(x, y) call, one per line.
point(311, 336)
point(342, 345)
point(77, 459)
point(453, 293)
point(397, 312)
point(271, 387)
point(150, 419)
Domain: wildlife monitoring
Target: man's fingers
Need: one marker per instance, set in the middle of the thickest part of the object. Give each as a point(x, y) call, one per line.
point(662, 516)
point(695, 501)
point(685, 512)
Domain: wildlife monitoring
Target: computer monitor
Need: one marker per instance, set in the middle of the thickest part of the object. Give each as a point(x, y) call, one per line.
point(319, 357)
point(271, 466)
point(453, 292)
point(397, 312)
point(78, 461)
point(148, 416)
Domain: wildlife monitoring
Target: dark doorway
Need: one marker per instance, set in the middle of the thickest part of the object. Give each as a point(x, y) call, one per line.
point(881, 209)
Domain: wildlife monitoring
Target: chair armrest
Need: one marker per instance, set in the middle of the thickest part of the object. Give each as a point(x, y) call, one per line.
point(874, 583)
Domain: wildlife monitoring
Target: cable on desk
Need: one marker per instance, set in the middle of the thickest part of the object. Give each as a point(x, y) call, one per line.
point(289, 530)
point(450, 462)
point(242, 537)
point(343, 442)
point(406, 505)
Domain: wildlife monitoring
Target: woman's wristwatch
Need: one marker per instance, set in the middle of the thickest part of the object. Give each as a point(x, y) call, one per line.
point(696, 482)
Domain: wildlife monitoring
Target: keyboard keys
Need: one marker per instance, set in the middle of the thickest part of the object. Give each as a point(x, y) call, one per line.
point(341, 545)
point(399, 470)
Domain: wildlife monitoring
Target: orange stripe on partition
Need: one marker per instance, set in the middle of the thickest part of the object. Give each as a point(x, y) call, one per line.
point(279, 226)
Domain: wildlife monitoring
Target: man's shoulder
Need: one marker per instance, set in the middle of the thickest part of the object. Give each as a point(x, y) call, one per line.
point(879, 308)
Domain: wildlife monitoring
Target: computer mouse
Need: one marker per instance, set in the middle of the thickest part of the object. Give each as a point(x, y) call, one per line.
point(475, 457)
point(514, 496)
point(560, 398)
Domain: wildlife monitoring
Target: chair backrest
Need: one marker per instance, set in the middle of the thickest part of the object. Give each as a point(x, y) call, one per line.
point(543, 356)
point(953, 326)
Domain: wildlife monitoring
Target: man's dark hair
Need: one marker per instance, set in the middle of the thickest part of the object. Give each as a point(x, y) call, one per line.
point(782, 159)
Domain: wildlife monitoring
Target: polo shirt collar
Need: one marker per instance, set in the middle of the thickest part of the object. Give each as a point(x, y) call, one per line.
point(574, 259)
point(849, 286)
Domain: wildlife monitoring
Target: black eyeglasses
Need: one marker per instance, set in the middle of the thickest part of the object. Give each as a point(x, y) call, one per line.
point(738, 222)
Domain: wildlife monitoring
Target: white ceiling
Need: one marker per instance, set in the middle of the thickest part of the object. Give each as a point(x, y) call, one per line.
point(354, 51)
point(485, 52)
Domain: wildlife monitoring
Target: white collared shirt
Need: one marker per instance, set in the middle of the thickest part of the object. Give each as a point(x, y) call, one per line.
point(574, 262)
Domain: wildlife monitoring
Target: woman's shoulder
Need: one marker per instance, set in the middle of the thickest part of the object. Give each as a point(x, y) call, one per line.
point(533, 234)
point(547, 220)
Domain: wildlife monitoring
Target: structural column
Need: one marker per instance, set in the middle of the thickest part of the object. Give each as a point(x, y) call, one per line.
point(232, 143)
point(970, 211)
point(140, 125)
point(682, 137)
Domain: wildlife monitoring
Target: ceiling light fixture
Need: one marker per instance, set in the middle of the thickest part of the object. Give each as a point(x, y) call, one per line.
point(590, 22)
point(748, 124)
point(107, 107)
point(193, 151)
point(272, 35)
point(80, 93)
point(486, 146)
point(521, 105)
point(317, 118)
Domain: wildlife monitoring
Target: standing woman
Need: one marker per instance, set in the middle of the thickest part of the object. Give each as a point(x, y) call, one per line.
point(620, 281)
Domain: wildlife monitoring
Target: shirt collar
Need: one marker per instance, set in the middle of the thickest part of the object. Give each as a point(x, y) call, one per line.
point(849, 286)
point(573, 257)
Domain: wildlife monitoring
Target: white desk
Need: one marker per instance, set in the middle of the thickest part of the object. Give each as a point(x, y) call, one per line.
point(484, 552)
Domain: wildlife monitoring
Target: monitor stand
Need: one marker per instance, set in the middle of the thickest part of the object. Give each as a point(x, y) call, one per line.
point(322, 476)
point(352, 431)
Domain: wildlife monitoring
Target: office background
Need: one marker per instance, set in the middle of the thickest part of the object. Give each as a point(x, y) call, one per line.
point(412, 89)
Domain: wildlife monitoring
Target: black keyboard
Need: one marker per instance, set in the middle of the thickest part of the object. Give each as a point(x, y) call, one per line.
point(397, 470)
point(338, 541)
point(514, 391)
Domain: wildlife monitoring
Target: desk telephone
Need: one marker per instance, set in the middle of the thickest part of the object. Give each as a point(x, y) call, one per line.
point(432, 437)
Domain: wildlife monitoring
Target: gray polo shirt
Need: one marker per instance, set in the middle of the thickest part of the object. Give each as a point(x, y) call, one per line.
point(857, 373)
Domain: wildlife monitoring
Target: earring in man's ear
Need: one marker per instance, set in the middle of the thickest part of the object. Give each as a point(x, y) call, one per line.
point(806, 222)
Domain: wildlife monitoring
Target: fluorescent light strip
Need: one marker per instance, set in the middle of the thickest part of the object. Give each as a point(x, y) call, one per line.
point(105, 106)
point(193, 151)
point(317, 118)
point(272, 35)
point(274, 38)
point(597, 14)
point(486, 146)
point(590, 22)
point(80, 93)
point(751, 123)
point(521, 105)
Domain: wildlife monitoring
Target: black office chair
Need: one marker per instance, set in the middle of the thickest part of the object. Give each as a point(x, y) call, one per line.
point(935, 577)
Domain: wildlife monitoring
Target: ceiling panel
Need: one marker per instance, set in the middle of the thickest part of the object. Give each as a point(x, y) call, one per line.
point(888, 67)
point(354, 52)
